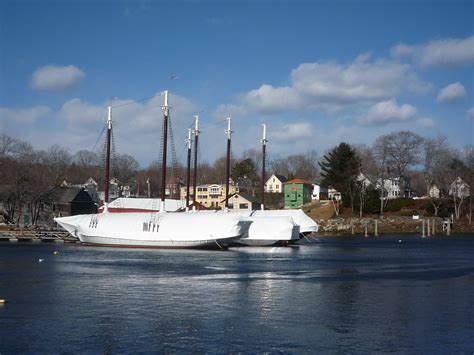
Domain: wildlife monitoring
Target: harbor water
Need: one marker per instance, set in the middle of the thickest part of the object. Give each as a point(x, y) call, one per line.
point(395, 293)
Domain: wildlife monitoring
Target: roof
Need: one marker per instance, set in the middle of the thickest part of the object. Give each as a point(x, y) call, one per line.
point(249, 198)
point(62, 194)
point(299, 181)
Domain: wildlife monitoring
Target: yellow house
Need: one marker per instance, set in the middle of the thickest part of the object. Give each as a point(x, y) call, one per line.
point(211, 195)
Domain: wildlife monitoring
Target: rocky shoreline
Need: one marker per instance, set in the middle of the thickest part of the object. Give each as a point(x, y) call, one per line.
point(391, 224)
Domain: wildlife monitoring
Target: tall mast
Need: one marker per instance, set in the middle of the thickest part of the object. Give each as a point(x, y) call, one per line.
point(227, 175)
point(166, 113)
point(196, 137)
point(189, 142)
point(264, 146)
point(107, 157)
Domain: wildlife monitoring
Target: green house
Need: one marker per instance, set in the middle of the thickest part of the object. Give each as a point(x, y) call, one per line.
point(297, 193)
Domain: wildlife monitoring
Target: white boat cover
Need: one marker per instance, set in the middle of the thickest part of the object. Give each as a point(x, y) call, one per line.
point(306, 224)
point(271, 228)
point(153, 229)
point(148, 204)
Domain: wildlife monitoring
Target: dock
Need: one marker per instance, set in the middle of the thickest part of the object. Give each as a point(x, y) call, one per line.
point(36, 236)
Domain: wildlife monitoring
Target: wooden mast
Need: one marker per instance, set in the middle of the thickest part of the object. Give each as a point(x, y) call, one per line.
point(107, 157)
point(227, 176)
point(264, 146)
point(188, 173)
point(196, 137)
point(166, 112)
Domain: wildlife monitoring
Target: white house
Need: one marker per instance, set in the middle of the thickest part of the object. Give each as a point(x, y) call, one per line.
point(275, 184)
point(319, 192)
point(243, 202)
point(393, 188)
point(363, 180)
point(333, 194)
point(459, 188)
point(433, 191)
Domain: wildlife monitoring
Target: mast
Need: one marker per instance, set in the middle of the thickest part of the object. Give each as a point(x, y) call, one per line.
point(227, 176)
point(196, 137)
point(188, 172)
point(107, 157)
point(166, 113)
point(264, 146)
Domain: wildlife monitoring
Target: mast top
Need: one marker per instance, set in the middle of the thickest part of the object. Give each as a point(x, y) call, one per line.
point(264, 139)
point(228, 131)
point(109, 118)
point(189, 140)
point(165, 107)
point(196, 125)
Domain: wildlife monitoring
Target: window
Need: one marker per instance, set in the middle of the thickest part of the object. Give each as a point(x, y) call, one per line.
point(243, 206)
point(145, 226)
point(277, 187)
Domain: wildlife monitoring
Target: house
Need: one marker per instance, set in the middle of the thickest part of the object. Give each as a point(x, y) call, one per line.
point(210, 195)
point(434, 191)
point(275, 184)
point(333, 194)
point(319, 192)
point(393, 189)
point(459, 188)
point(363, 180)
point(242, 202)
point(297, 192)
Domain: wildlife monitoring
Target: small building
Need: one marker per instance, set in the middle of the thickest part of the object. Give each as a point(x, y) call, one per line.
point(275, 184)
point(297, 192)
point(242, 202)
point(320, 193)
point(393, 188)
point(68, 201)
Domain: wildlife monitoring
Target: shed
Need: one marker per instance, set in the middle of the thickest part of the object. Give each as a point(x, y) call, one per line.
point(297, 193)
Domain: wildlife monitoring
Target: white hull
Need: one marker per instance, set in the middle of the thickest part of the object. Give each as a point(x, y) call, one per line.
point(154, 230)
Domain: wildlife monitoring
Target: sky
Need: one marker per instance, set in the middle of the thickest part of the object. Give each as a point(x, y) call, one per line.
point(315, 72)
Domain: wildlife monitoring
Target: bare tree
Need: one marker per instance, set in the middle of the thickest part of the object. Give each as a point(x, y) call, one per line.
point(468, 157)
point(380, 151)
point(403, 151)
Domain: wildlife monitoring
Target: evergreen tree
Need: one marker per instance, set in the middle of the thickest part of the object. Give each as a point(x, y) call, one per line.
point(339, 169)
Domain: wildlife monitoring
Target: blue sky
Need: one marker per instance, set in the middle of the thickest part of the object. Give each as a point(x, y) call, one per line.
point(317, 72)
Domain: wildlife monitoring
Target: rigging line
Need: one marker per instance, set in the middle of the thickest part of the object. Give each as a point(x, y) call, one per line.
point(100, 136)
point(212, 124)
point(139, 100)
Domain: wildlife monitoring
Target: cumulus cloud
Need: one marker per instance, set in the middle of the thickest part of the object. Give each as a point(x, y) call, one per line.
point(425, 122)
point(452, 92)
point(470, 113)
point(387, 112)
point(448, 52)
point(55, 78)
point(137, 125)
point(292, 131)
point(18, 121)
point(24, 115)
point(330, 86)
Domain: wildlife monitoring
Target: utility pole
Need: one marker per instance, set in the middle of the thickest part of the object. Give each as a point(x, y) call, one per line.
point(227, 176)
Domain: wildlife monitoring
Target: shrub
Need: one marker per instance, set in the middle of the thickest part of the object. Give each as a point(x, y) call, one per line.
point(399, 203)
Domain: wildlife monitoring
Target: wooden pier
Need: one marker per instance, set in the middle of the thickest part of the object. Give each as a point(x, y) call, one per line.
point(36, 236)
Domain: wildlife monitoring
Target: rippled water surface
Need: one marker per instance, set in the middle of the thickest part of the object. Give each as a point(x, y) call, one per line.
point(336, 294)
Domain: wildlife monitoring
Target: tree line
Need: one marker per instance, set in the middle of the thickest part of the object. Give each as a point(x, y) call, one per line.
point(26, 173)
point(429, 163)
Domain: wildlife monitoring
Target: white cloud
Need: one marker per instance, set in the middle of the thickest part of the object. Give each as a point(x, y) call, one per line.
point(448, 52)
point(329, 87)
point(291, 131)
point(54, 78)
point(387, 112)
point(425, 122)
point(470, 113)
point(137, 125)
point(452, 92)
point(22, 116)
